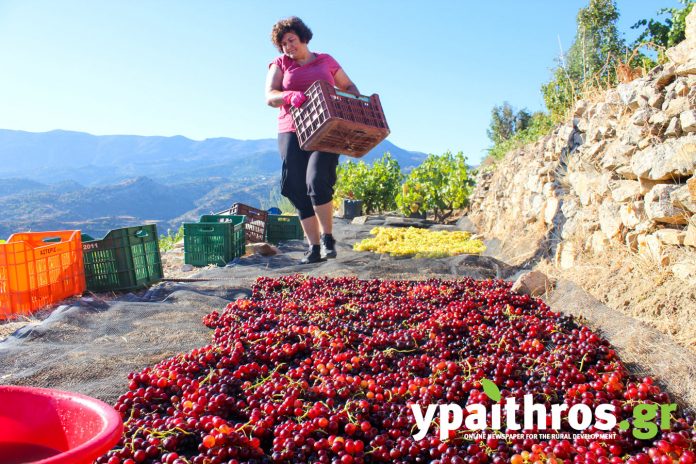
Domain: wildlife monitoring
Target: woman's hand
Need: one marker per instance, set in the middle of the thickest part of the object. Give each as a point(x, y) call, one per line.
point(294, 98)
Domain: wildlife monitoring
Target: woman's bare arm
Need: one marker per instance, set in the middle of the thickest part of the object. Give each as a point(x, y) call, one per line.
point(344, 83)
point(274, 83)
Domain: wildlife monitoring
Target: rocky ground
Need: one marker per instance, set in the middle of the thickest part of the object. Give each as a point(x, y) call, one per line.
point(608, 198)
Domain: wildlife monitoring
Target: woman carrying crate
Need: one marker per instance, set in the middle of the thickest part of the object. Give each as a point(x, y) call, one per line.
point(308, 178)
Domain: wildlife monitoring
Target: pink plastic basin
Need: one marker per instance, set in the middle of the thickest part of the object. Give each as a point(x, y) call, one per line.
point(39, 425)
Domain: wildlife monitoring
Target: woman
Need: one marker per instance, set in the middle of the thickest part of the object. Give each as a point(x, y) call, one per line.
point(308, 178)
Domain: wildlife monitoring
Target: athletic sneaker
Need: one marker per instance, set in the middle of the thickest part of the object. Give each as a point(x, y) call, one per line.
point(312, 255)
point(328, 246)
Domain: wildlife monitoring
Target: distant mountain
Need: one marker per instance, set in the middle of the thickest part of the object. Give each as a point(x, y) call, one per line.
point(14, 186)
point(51, 157)
point(96, 210)
point(72, 180)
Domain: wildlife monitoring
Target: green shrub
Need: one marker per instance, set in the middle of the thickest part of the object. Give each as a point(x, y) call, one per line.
point(376, 185)
point(167, 242)
point(540, 124)
point(664, 35)
point(440, 185)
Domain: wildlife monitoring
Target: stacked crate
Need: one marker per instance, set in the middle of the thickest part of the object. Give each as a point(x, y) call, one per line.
point(215, 239)
point(255, 223)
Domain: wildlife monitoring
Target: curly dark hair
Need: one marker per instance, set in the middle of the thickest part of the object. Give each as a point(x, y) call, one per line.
point(291, 24)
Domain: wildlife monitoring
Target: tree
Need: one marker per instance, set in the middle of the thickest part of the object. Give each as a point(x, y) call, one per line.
point(596, 43)
point(537, 125)
point(590, 60)
point(505, 123)
point(667, 34)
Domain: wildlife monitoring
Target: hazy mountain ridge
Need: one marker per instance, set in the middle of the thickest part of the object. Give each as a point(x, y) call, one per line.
point(96, 210)
point(72, 180)
point(55, 156)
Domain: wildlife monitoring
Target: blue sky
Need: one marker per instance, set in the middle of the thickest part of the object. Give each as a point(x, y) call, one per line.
point(156, 67)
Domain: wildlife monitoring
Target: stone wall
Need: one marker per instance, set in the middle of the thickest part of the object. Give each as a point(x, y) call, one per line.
point(621, 170)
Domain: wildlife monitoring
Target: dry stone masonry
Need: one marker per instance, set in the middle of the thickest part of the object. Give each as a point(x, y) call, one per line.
point(620, 170)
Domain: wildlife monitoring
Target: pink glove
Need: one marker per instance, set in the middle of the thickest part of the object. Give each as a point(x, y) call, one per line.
point(294, 98)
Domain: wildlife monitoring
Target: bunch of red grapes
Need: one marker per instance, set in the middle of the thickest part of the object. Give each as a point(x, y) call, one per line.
point(325, 370)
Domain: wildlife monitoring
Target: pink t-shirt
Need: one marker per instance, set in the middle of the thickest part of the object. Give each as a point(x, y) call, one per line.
point(296, 77)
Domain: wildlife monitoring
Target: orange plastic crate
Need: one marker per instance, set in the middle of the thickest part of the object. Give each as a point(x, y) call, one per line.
point(38, 269)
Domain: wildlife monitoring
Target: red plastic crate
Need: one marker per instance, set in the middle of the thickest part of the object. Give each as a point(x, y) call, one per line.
point(38, 269)
point(255, 223)
point(339, 122)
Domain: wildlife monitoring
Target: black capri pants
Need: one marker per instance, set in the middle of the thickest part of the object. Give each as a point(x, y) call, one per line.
point(308, 177)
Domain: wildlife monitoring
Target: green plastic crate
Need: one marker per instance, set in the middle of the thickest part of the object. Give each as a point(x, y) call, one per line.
point(216, 239)
point(279, 228)
point(238, 222)
point(125, 259)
